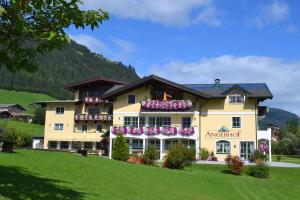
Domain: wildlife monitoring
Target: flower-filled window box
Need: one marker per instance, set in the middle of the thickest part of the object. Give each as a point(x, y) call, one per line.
point(171, 105)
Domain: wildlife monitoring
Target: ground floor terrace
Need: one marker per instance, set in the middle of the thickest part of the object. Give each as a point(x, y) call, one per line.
point(138, 140)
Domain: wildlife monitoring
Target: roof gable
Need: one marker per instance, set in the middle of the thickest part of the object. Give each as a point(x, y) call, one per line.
point(150, 78)
point(238, 89)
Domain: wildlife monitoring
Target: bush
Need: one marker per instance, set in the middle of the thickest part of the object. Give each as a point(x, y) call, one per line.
point(235, 164)
point(150, 155)
point(120, 149)
point(212, 157)
point(257, 156)
point(278, 158)
point(260, 170)
point(9, 135)
point(179, 157)
point(23, 140)
point(204, 154)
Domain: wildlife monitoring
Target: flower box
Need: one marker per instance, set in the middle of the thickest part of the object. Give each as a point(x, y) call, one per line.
point(172, 105)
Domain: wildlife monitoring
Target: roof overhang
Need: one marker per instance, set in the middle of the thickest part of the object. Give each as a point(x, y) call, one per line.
point(152, 78)
point(94, 81)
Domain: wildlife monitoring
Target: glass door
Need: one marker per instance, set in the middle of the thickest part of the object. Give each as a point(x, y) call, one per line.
point(246, 149)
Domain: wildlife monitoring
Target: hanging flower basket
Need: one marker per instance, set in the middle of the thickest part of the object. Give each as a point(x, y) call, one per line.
point(172, 105)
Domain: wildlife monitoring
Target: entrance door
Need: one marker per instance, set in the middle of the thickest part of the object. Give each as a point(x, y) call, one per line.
point(246, 149)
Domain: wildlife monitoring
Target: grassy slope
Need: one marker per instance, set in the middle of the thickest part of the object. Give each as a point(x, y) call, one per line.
point(22, 98)
point(55, 175)
point(23, 127)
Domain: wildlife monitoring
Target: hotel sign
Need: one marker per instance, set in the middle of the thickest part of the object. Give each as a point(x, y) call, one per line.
point(223, 132)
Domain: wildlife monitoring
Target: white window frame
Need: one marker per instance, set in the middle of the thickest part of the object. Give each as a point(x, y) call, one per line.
point(58, 127)
point(137, 144)
point(61, 110)
point(240, 122)
point(183, 122)
point(131, 121)
point(223, 144)
point(131, 95)
point(235, 96)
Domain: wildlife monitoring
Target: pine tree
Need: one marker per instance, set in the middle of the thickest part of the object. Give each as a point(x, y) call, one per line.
point(120, 149)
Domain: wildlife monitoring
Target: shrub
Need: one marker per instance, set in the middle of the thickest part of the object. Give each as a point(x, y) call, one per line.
point(9, 135)
point(23, 140)
point(150, 155)
point(260, 170)
point(278, 158)
point(120, 149)
point(204, 154)
point(179, 157)
point(235, 164)
point(212, 157)
point(257, 156)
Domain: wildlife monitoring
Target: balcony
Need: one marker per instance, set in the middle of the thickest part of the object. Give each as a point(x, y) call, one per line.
point(94, 100)
point(157, 132)
point(167, 105)
point(262, 112)
point(101, 117)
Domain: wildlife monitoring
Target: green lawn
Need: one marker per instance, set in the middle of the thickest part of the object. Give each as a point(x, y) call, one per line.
point(23, 127)
point(288, 159)
point(35, 175)
point(22, 98)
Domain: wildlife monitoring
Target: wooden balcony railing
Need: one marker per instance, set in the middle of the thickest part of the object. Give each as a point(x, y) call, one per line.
point(101, 117)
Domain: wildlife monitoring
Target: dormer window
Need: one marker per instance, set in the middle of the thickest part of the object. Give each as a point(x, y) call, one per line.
point(236, 98)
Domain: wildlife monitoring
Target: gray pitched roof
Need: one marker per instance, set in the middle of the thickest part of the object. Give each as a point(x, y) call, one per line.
point(3, 106)
point(255, 90)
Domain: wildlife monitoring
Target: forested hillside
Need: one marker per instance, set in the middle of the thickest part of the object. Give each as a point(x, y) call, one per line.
point(277, 117)
point(72, 63)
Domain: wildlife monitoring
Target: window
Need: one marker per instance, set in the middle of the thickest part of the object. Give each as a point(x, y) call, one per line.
point(236, 122)
point(142, 122)
point(167, 144)
point(60, 110)
point(94, 111)
point(88, 145)
point(58, 127)
point(188, 143)
point(223, 147)
point(64, 145)
point(52, 145)
point(155, 143)
point(131, 99)
point(186, 122)
point(131, 121)
point(159, 121)
point(236, 98)
point(84, 128)
point(99, 128)
point(137, 144)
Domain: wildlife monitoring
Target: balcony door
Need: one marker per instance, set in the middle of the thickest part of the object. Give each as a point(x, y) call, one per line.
point(246, 149)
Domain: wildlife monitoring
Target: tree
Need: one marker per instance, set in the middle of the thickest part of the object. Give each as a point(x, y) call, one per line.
point(120, 149)
point(30, 27)
point(39, 115)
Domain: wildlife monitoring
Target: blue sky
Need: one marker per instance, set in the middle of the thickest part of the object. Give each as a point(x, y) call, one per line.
point(196, 41)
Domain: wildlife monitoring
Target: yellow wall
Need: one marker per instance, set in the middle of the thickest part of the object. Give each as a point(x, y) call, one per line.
point(208, 115)
point(71, 129)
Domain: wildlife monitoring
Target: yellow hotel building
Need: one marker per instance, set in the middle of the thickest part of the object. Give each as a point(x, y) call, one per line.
point(222, 118)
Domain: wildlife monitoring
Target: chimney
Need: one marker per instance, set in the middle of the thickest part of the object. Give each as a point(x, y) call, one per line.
point(217, 83)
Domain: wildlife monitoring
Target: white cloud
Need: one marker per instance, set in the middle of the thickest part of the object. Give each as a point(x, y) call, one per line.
point(167, 12)
point(271, 13)
point(122, 51)
point(125, 45)
point(292, 29)
point(281, 76)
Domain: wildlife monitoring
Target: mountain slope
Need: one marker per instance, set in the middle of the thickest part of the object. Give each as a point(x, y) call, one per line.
point(277, 117)
point(72, 63)
point(22, 98)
